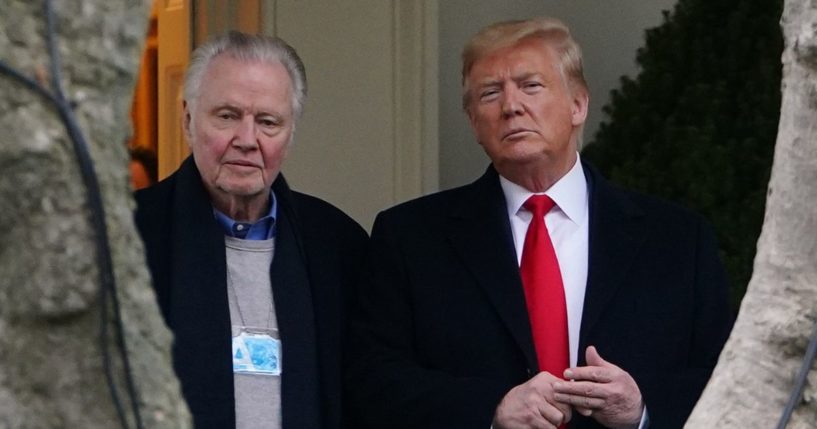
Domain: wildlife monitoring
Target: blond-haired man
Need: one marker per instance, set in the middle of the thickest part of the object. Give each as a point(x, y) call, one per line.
point(539, 296)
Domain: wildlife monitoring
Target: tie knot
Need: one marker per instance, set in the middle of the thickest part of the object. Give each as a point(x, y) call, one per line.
point(539, 205)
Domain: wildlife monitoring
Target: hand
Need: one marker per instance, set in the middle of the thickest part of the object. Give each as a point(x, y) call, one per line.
point(531, 405)
point(602, 390)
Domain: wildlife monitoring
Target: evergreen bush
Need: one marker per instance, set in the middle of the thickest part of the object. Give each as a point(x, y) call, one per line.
point(699, 122)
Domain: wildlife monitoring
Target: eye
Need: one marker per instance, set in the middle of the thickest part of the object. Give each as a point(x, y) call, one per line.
point(531, 86)
point(489, 94)
point(226, 115)
point(268, 122)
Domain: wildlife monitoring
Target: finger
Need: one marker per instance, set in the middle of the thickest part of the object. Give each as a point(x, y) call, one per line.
point(581, 388)
point(542, 383)
point(553, 414)
point(553, 411)
point(596, 374)
point(567, 411)
point(593, 358)
point(578, 401)
point(587, 412)
point(544, 377)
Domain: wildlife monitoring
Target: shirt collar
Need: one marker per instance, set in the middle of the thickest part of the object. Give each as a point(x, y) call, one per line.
point(569, 193)
point(262, 229)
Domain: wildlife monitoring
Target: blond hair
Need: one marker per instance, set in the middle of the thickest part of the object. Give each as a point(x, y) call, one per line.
point(504, 34)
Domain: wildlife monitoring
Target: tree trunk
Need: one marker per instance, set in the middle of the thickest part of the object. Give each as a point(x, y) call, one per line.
point(756, 371)
point(51, 365)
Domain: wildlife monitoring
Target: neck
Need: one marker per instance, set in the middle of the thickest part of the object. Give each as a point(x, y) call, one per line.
point(242, 208)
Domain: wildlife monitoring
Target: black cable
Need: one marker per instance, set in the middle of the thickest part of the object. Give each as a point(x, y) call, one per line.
point(53, 53)
point(107, 280)
point(800, 381)
point(28, 82)
point(89, 179)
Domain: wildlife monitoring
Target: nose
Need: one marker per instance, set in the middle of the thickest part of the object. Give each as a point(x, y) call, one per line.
point(245, 133)
point(511, 103)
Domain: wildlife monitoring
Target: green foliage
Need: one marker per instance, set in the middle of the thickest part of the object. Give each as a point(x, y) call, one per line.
point(699, 122)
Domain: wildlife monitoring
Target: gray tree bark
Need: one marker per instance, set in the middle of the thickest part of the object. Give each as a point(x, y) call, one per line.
point(51, 367)
point(756, 371)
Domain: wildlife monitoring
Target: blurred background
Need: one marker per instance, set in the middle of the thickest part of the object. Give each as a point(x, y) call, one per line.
point(685, 98)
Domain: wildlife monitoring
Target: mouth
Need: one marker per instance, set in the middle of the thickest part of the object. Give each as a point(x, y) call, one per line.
point(242, 163)
point(516, 133)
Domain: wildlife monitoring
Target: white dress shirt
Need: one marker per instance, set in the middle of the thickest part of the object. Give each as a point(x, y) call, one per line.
point(567, 224)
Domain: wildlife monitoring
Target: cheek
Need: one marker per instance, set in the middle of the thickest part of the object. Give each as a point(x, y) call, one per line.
point(208, 151)
point(275, 153)
point(213, 143)
point(483, 127)
point(553, 117)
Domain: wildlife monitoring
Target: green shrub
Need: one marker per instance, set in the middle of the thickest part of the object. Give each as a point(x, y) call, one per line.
point(699, 122)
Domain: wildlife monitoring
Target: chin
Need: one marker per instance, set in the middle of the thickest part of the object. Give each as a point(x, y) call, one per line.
point(523, 155)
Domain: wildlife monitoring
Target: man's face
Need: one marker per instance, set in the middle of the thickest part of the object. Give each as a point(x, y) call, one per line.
point(521, 110)
point(240, 126)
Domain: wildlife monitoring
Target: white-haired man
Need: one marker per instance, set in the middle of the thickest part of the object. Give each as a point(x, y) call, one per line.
point(250, 276)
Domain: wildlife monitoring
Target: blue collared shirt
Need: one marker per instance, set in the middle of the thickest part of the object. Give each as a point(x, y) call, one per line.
point(262, 229)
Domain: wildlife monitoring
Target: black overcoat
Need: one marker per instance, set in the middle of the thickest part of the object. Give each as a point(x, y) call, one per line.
point(442, 333)
point(317, 260)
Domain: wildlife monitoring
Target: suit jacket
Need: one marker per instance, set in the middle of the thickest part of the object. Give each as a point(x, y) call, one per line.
point(317, 259)
point(442, 333)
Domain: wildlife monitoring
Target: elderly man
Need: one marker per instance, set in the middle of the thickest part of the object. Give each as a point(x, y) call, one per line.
point(250, 276)
point(538, 296)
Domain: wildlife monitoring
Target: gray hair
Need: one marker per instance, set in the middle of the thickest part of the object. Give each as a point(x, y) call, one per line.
point(247, 47)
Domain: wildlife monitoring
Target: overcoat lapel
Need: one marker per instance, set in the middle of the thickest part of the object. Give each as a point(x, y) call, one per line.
point(481, 234)
point(616, 233)
point(200, 314)
point(319, 280)
point(296, 320)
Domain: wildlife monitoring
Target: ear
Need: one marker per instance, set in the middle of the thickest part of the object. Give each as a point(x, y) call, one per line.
point(581, 100)
point(186, 119)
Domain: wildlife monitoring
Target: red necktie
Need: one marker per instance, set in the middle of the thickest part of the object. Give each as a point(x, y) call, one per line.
point(544, 292)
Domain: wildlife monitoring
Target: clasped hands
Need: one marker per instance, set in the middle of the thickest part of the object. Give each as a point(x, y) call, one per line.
point(601, 390)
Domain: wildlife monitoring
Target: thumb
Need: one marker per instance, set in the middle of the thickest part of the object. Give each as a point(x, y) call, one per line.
point(593, 357)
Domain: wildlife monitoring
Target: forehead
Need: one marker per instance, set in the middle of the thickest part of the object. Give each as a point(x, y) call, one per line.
point(532, 55)
point(227, 76)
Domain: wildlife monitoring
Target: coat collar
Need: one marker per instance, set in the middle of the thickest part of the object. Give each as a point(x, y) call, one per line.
point(480, 232)
point(616, 233)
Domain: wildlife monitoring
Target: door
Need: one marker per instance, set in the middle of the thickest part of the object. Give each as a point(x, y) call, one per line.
point(173, 56)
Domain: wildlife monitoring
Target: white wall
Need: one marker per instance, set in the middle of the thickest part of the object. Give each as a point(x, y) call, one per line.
point(368, 137)
point(608, 31)
point(384, 86)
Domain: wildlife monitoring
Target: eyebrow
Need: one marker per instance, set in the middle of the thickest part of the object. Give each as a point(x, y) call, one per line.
point(526, 76)
point(487, 82)
point(228, 106)
point(516, 78)
point(242, 110)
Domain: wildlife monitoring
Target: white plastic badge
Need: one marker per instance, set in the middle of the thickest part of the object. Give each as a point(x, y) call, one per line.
point(256, 353)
